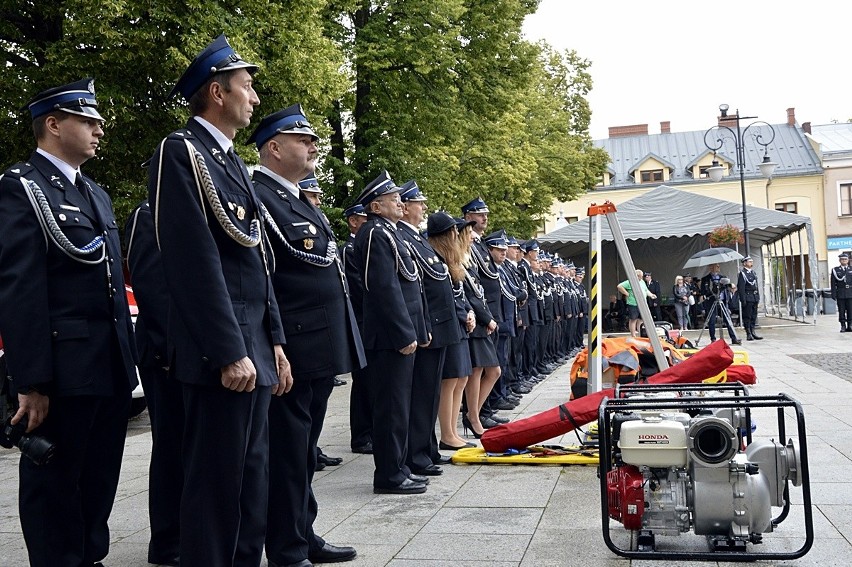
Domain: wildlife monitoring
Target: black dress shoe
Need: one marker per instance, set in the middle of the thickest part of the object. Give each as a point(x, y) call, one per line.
point(332, 554)
point(407, 486)
point(302, 563)
point(499, 419)
point(442, 460)
point(366, 449)
point(418, 478)
point(447, 447)
point(487, 422)
point(736, 342)
point(328, 461)
point(171, 560)
point(339, 382)
point(431, 470)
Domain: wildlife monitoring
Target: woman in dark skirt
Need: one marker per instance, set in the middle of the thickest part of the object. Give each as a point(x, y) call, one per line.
point(483, 351)
point(443, 237)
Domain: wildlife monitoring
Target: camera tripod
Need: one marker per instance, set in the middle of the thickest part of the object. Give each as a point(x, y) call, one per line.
point(719, 305)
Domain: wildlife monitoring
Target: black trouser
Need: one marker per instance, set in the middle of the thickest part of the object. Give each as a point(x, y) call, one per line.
point(360, 410)
point(516, 354)
point(64, 505)
point(164, 397)
point(390, 374)
point(425, 396)
point(530, 359)
point(226, 472)
point(844, 311)
point(748, 313)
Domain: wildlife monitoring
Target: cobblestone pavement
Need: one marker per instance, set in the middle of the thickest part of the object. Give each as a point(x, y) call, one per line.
point(525, 516)
point(837, 363)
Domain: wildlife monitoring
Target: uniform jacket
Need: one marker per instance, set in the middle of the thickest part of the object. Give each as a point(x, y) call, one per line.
point(222, 306)
point(437, 286)
point(149, 288)
point(841, 282)
point(747, 287)
point(523, 294)
point(59, 317)
point(353, 278)
point(654, 287)
point(526, 274)
point(394, 308)
point(476, 297)
point(322, 335)
point(488, 277)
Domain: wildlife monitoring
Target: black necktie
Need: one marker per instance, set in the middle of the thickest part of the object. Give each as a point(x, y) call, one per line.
point(82, 188)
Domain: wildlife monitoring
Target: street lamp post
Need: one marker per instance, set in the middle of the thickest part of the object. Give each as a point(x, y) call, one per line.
point(719, 133)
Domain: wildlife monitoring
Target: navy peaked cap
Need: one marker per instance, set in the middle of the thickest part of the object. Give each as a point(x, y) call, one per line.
point(381, 185)
point(290, 120)
point(475, 206)
point(310, 184)
point(411, 192)
point(356, 209)
point(530, 245)
point(75, 98)
point(497, 239)
point(217, 57)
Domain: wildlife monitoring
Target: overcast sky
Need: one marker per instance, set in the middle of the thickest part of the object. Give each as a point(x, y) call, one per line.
point(759, 56)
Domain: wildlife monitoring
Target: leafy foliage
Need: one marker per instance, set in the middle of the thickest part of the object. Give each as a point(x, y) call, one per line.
point(444, 91)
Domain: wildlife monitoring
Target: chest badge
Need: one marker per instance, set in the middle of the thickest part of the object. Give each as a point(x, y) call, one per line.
point(312, 229)
point(241, 212)
point(308, 243)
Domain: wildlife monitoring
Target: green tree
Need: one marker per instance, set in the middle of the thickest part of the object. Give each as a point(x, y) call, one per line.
point(449, 93)
point(136, 50)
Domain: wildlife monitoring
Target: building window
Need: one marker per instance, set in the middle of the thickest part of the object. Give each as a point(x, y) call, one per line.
point(702, 171)
point(652, 175)
point(845, 199)
point(571, 220)
point(786, 207)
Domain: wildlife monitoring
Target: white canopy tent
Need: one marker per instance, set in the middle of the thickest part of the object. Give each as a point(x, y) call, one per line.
point(665, 226)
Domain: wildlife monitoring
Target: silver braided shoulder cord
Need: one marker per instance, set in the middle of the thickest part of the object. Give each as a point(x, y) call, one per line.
point(483, 265)
point(439, 274)
point(400, 265)
point(52, 230)
point(313, 259)
point(248, 240)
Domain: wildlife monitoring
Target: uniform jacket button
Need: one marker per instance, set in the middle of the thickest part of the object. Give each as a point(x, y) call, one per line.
point(55, 334)
point(299, 327)
point(205, 359)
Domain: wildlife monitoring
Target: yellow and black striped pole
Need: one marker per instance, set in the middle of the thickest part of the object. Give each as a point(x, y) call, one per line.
point(595, 360)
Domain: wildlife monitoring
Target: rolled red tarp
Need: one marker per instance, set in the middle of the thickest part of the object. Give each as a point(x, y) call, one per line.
point(706, 363)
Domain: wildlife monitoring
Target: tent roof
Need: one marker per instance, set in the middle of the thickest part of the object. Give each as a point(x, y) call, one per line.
point(666, 212)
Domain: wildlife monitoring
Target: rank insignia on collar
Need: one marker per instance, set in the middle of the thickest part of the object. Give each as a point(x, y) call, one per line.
point(308, 243)
point(218, 155)
point(16, 171)
point(241, 212)
point(231, 206)
point(312, 228)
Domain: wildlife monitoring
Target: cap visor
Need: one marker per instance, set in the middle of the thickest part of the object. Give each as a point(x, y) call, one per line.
point(87, 111)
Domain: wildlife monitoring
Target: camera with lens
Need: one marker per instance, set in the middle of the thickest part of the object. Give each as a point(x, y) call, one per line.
point(38, 449)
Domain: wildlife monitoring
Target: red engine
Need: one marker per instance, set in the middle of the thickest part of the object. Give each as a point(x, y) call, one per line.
point(625, 496)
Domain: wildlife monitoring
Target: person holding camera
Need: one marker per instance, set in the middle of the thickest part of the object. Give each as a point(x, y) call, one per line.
point(67, 333)
point(718, 291)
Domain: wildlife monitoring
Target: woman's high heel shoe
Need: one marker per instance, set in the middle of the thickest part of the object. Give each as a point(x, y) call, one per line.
point(467, 426)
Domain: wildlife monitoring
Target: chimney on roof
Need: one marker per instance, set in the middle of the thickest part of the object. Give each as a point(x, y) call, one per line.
point(791, 117)
point(665, 127)
point(806, 126)
point(625, 131)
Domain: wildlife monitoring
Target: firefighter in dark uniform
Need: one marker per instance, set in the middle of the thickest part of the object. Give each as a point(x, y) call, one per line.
point(163, 394)
point(224, 326)
point(322, 336)
point(394, 326)
point(841, 290)
point(527, 271)
point(360, 407)
point(423, 456)
point(66, 330)
point(748, 291)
